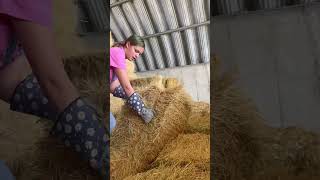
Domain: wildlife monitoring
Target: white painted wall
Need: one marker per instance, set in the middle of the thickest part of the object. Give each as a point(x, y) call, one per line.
point(278, 57)
point(195, 79)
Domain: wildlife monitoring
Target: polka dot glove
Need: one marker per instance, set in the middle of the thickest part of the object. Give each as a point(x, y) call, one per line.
point(136, 103)
point(80, 128)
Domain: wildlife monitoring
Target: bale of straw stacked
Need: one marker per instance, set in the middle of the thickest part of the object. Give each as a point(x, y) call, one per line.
point(131, 70)
point(116, 105)
point(171, 82)
point(88, 73)
point(134, 145)
point(235, 121)
point(186, 157)
point(199, 119)
point(187, 172)
point(244, 147)
point(187, 149)
point(143, 83)
point(50, 159)
point(288, 153)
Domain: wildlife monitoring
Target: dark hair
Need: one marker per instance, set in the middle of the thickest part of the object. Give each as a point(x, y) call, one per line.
point(134, 40)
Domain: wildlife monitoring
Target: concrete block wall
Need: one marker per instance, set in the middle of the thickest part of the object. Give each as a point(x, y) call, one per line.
point(277, 53)
point(195, 79)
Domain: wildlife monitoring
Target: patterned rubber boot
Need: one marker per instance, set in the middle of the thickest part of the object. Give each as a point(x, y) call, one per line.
point(28, 98)
point(119, 92)
point(136, 103)
point(80, 127)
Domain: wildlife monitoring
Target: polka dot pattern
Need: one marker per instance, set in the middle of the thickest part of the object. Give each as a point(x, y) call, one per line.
point(136, 103)
point(84, 132)
point(28, 98)
point(78, 126)
point(120, 93)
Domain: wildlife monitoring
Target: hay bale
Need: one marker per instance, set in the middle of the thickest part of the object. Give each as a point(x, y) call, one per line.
point(86, 66)
point(51, 159)
point(134, 145)
point(246, 148)
point(301, 149)
point(87, 72)
point(237, 126)
point(131, 70)
point(187, 172)
point(143, 83)
point(199, 119)
point(171, 83)
point(291, 151)
point(187, 149)
point(116, 105)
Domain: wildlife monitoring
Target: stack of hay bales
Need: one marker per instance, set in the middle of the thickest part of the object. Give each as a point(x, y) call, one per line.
point(235, 122)
point(135, 145)
point(244, 147)
point(199, 119)
point(186, 157)
point(176, 145)
point(136, 148)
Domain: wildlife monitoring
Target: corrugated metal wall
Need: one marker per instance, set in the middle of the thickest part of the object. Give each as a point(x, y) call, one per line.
point(93, 16)
point(277, 55)
point(175, 31)
point(232, 7)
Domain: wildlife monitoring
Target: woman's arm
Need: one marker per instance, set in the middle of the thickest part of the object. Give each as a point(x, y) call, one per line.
point(124, 81)
point(38, 43)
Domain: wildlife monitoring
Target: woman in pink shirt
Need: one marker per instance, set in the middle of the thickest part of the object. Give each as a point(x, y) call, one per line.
point(120, 85)
point(33, 80)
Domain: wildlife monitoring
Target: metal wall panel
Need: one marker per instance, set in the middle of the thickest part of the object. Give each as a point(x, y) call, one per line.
point(124, 26)
point(97, 14)
point(157, 20)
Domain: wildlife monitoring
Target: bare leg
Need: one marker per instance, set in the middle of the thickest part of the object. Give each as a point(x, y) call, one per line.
point(114, 84)
point(12, 75)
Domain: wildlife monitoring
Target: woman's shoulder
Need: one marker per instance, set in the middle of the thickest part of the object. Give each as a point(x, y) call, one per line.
point(117, 48)
point(116, 51)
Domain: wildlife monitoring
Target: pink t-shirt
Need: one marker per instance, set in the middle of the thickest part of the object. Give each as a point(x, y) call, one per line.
point(37, 11)
point(117, 60)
